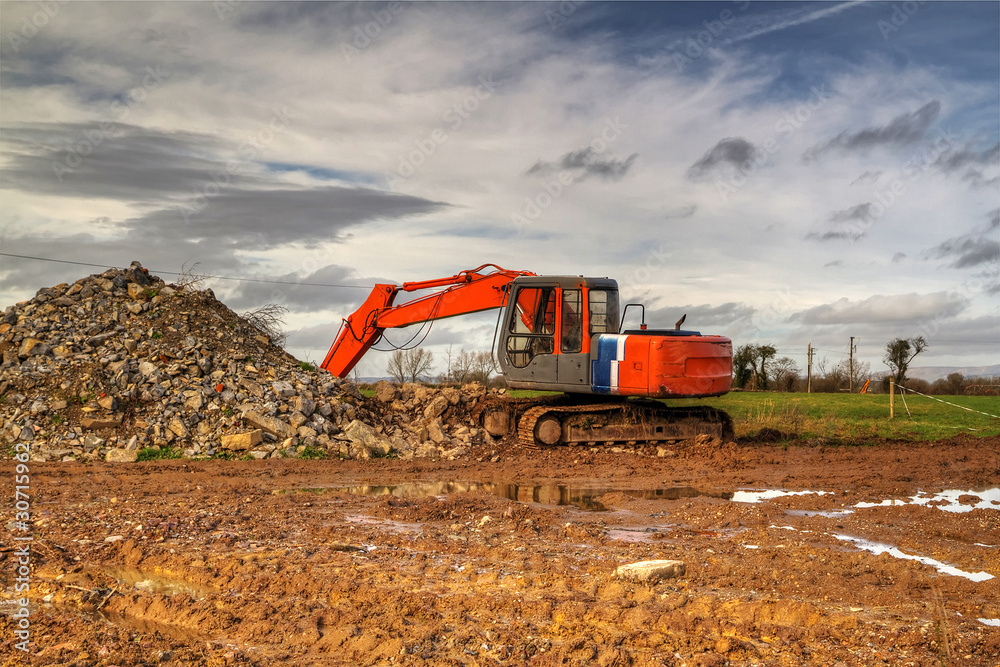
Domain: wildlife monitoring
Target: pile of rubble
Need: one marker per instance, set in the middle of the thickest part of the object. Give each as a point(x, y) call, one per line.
point(121, 363)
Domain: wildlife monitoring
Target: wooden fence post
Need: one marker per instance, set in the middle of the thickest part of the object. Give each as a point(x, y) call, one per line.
point(892, 398)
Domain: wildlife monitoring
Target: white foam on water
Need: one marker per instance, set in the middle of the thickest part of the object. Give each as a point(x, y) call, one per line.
point(878, 548)
point(759, 496)
point(989, 499)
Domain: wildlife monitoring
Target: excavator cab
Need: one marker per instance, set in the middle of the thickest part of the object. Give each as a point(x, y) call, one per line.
point(548, 328)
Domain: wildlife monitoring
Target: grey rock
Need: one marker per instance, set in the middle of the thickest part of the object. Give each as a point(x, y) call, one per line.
point(121, 456)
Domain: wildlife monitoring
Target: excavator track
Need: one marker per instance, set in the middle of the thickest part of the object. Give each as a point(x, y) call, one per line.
point(559, 420)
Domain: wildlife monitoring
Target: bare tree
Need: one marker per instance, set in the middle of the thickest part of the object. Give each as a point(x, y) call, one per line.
point(482, 367)
point(784, 372)
point(462, 367)
point(862, 372)
point(268, 320)
point(189, 278)
point(899, 352)
point(409, 365)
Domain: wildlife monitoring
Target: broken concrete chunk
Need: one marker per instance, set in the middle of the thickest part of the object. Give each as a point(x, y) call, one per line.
point(241, 442)
point(282, 388)
point(304, 405)
point(121, 456)
point(178, 428)
point(436, 407)
point(361, 433)
point(94, 424)
point(651, 571)
point(385, 391)
point(272, 425)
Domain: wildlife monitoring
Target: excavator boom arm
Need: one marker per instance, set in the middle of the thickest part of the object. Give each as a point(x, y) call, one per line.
point(466, 292)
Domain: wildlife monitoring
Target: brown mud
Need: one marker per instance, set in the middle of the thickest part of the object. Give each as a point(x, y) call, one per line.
point(292, 562)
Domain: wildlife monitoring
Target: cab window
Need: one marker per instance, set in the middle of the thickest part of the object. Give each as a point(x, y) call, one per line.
point(532, 325)
point(603, 311)
point(571, 322)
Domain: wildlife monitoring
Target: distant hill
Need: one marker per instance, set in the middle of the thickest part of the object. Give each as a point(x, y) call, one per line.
point(931, 373)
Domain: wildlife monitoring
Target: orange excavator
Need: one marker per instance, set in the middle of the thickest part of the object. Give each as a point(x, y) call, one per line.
point(563, 334)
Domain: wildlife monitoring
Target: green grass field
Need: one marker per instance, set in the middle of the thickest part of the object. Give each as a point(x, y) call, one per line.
point(852, 418)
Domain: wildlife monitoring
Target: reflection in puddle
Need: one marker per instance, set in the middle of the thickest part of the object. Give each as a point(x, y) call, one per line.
point(995, 622)
point(758, 496)
point(584, 498)
point(388, 524)
point(949, 501)
point(147, 626)
point(158, 584)
point(878, 548)
point(647, 534)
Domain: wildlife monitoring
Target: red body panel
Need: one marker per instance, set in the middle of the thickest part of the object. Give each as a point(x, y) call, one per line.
point(663, 366)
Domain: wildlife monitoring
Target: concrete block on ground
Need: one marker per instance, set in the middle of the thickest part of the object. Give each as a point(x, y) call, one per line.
point(651, 571)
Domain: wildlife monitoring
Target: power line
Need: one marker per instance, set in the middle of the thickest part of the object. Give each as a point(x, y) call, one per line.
point(175, 273)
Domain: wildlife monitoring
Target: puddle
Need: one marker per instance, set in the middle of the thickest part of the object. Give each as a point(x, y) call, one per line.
point(949, 500)
point(159, 584)
point(147, 626)
point(750, 496)
point(388, 524)
point(584, 498)
point(995, 622)
point(878, 548)
point(646, 535)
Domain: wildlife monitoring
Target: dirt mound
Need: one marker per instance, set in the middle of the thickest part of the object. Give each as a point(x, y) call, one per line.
point(121, 365)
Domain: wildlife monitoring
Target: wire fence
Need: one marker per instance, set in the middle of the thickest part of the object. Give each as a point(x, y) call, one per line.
point(902, 395)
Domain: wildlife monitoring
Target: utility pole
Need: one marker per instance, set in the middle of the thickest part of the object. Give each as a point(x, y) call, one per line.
point(809, 372)
point(850, 380)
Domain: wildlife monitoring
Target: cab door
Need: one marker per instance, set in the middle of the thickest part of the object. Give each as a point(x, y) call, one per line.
point(572, 367)
point(530, 335)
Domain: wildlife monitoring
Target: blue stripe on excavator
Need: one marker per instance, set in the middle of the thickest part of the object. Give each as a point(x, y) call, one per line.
point(604, 369)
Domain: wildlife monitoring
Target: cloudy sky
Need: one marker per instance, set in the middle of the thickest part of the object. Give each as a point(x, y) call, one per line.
point(782, 172)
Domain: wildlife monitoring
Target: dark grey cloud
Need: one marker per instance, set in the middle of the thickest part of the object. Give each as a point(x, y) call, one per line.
point(903, 130)
point(954, 160)
point(117, 161)
point(585, 163)
point(852, 214)
point(191, 208)
point(974, 249)
point(340, 288)
point(189, 189)
point(849, 224)
point(729, 154)
point(898, 308)
point(971, 164)
point(867, 177)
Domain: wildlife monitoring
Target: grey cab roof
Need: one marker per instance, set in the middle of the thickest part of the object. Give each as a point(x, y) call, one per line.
point(567, 282)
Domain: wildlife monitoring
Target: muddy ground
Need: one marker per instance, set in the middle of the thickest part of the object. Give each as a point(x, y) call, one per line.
point(480, 562)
